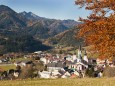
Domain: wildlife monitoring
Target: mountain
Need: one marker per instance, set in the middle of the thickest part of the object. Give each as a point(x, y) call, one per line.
point(13, 34)
point(31, 16)
point(10, 20)
point(44, 28)
point(39, 31)
point(25, 32)
point(66, 38)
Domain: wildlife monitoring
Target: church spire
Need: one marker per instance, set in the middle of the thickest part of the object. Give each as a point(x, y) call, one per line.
point(79, 53)
point(85, 56)
point(85, 53)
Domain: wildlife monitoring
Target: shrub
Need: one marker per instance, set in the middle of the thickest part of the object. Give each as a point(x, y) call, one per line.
point(90, 72)
point(109, 72)
point(27, 72)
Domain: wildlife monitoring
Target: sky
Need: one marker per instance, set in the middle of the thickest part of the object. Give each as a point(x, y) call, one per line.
point(53, 9)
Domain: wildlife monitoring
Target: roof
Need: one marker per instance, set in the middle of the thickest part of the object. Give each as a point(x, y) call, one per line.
point(79, 63)
point(75, 61)
point(51, 64)
point(84, 62)
point(54, 64)
point(27, 62)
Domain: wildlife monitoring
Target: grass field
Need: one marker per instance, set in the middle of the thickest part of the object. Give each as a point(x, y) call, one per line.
point(61, 82)
point(20, 59)
point(7, 67)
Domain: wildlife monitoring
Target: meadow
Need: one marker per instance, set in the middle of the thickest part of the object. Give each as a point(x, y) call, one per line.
point(6, 67)
point(61, 82)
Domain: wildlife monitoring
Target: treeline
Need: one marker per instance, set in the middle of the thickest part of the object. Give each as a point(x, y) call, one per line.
point(21, 43)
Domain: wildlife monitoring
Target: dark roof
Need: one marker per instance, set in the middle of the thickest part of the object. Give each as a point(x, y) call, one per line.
point(18, 62)
point(84, 62)
point(75, 61)
point(27, 62)
point(53, 64)
point(68, 62)
point(59, 64)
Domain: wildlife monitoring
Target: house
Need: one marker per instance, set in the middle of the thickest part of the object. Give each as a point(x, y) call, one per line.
point(85, 57)
point(55, 66)
point(23, 63)
point(78, 65)
point(38, 52)
point(66, 75)
point(81, 66)
point(44, 74)
point(44, 60)
point(0, 60)
point(4, 60)
point(17, 63)
point(49, 74)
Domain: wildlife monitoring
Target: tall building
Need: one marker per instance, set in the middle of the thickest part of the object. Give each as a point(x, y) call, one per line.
point(85, 56)
point(80, 53)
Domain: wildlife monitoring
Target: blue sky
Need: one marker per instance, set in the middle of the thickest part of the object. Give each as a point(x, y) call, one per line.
point(57, 9)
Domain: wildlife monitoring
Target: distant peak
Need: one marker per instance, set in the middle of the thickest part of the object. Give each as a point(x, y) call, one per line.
point(30, 12)
point(4, 8)
point(24, 12)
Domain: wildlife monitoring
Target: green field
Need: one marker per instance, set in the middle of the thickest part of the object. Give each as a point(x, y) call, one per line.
point(7, 67)
point(61, 82)
point(20, 59)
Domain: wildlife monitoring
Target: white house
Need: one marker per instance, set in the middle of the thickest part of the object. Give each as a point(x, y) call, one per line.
point(45, 74)
point(44, 60)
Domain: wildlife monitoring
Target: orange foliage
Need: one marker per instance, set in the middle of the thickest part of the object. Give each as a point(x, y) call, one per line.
point(99, 27)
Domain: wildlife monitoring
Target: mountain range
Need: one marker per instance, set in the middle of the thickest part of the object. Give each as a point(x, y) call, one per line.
point(25, 31)
point(44, 28)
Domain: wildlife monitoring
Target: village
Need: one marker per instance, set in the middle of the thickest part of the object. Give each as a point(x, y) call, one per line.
point(45, 65)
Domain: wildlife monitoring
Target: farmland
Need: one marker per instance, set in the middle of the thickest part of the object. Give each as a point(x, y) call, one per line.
point(61, 82)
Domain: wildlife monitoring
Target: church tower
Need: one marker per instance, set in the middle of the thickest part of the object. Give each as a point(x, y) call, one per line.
point(80, 53)
point(85, 56)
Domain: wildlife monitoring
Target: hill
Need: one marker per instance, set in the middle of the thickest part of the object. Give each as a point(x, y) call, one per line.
point(13, 34)
point(10, 20)
point(66, 38)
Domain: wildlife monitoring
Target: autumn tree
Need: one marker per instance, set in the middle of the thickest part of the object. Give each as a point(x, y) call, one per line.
point(98, 29)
